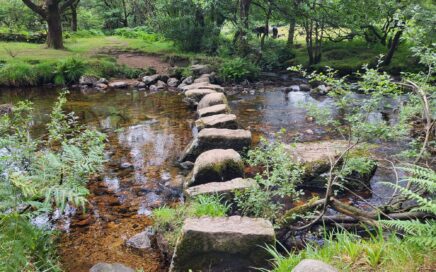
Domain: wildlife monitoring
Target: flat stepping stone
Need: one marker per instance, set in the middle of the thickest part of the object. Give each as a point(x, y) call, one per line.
point(198, 94)
point(107, 267)
point(202, 79)
point(216, 165)
point(212, 100)
point(217, 121)
point(223, 244)
point(213, 138)
point(225, 188)
point(202, 85)
point(213, 110)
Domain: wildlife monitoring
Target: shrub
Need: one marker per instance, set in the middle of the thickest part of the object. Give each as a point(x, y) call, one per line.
point(69, 70)
point(142, 32)
point(238, 69)
point(17, 74)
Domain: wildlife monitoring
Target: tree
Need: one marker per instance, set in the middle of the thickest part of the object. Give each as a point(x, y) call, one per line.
point(51, 11)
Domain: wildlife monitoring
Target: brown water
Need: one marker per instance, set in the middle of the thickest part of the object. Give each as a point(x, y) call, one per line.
point(146, 133)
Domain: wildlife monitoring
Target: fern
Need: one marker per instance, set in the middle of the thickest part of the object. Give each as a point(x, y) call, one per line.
point(423, 179)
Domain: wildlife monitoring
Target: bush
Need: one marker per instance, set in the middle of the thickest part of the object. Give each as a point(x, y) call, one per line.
point(142, 32)
point(88, 33)
point(17, 74)
point(69, 71)
point(238, 69)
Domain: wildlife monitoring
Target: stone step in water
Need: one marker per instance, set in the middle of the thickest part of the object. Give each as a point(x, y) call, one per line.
point(213, 110)
point(202, 85)
point(213, 138)
point(223, 244)
point(217, 121)
point(216, 165)
point(225, 189)
point(192, 97)
point(212, 99)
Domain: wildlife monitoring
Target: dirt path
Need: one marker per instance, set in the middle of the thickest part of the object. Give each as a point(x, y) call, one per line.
point(143, 61)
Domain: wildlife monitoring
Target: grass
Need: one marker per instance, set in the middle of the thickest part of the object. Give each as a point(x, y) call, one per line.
point(349, 252)
point(169, 221)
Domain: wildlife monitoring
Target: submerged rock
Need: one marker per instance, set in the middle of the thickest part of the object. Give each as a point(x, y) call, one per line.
point(309, 265)
point(225, 188)
point(217, 121)
point(212, 99)
point(223, 244)
point(213, 110)
point(107, 267)
point(212, 138)
point(141, 241)
point(216, 165)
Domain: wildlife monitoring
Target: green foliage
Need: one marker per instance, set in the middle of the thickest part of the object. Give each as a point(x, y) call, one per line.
point(17, 74)
point(39, 176)
point(277, 180)
point(69, 70)
point(346, 252)
point(238, 69)
point(421, 180)
point(169, 221)
point(142, 33)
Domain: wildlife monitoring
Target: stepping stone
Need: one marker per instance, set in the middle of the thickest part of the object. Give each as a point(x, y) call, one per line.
point(307, 265)
point(223, 244)
point(212, 100)
point(217, 121)
point(225, 188)
point(213, 110)
point(202, 79)
point(148, 80)
point(216, 165)
point(107, 267)
point(212, 138)
point(118, 85)
point(202, 85)
point(192, 97)
point(199, 69)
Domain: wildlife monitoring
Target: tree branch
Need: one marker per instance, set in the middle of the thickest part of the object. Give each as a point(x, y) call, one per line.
point(38, 9)
point(67, 4)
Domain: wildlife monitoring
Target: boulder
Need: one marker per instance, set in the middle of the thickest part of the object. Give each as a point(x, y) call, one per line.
point(223, 244)
point(150, 79)
point(320, 90)
point(203, 85)
point(212, 100)
point(107, 267)
point(213, 110)
point(173, 82)
point(305, 87)
point(118, 85)
point(225, 188)
point(217, 121)
point(140, 85)
point(188, 81)
point(103, 81)
point(195, 95)
point(216, 165)
point(213, 138)
point(140, 242)
point(153, 88)
point(203, 79)
point(6, 109)
point(161, 85)
point(88, 80)
point(309, 265)
point(199, 69)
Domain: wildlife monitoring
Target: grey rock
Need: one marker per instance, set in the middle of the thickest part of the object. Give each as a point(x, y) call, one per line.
point(225, 188)
point(173, 82)
point(101, 86)
point(107, 267)
point(161, 85)
point(188, 81)
point(126, 165)
point(202, 85)
point(216, 165)
point(88, 80)
point(141, 85)
point(213, 138)
point(195, 95)
point(320, 90)
point(213, 110)
point(150, 79)
point(212, 100)
point(305, 87)
point(309, 265)
point(118, 85)
point(6, 109)
point(153, 88)
point(103, 81)
point(217, 121)
point(141, 241)
point(223, 244)
point(199, 69)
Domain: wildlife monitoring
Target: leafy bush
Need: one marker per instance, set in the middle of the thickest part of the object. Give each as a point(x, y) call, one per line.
point(277, 180)
point(276, 55)
point(17, 74)
point(238, 69)
point(142, 32)
point(84, 33)
point(69, 70)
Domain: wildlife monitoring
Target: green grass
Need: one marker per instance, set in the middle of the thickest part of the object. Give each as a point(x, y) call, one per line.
point(349, 252)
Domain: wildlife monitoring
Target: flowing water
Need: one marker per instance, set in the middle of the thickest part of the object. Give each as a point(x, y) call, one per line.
point(146, 133)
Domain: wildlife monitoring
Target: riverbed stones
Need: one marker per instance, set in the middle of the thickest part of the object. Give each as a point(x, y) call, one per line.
point(203, 79)
point(140, 242)
point(212, 99)
point(223, 244)
point(173, 82)
point(118, 85)
point(199, 69)
point(88, 80)
point(197, 94)
point(150, 79)
point(202, 85)
point(217, 121)
point(213, 110)
point(309, 265)
point(226, 188)
point(216, 165)
point(107, 267)
point(213, 138)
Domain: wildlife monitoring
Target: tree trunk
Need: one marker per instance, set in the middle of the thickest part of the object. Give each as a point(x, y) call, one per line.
point(244, 9)
point(291, 32)
point(54, 23)
point(74, 18)
point(262, 40)
point(126, 15)
point(394, 45)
